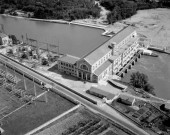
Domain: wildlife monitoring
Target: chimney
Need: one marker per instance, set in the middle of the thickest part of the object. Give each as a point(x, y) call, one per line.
point(113, 47)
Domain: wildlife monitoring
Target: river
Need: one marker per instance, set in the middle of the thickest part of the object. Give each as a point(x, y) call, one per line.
point(158, 71)
point(68, 37)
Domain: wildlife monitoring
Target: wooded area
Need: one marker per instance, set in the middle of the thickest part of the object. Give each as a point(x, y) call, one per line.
point(122, 9)
point(54, 9)
point(80, 9)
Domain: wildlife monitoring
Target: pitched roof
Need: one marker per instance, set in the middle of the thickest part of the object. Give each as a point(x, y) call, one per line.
point(2, 35)
point(102, 68)
point(69, 59)
point(100, 51)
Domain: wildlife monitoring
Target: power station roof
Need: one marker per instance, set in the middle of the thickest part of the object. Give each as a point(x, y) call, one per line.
point(103, 49)
point(69, 59)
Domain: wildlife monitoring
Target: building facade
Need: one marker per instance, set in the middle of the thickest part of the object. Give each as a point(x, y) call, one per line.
point(107, 59)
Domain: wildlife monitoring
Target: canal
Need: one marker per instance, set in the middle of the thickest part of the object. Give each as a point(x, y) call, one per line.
point(158, 71)
point(67, 37)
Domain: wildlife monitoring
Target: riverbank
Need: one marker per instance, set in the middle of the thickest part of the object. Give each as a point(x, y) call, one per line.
point(108, 29)
point(35, 19)
point(154, 24)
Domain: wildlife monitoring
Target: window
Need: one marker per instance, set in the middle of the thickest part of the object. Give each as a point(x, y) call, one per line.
point(93, 68)
point(84, 67)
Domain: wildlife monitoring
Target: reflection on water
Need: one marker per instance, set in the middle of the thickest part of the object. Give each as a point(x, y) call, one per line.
point(158, 71)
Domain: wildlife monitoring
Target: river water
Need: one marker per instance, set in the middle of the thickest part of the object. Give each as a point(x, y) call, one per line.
point(68, 37)
point(157, 69)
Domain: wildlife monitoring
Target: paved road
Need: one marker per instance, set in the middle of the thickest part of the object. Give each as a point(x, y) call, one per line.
point(103, 110)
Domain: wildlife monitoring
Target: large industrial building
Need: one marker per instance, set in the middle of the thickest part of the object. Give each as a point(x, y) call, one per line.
point(105, 60)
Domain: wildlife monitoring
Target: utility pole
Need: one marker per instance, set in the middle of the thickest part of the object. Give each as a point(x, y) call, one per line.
point(26, 38)
point(58, 47)
point(48, 48)
point(2, 27)
point(25, 86)
point(35, 91)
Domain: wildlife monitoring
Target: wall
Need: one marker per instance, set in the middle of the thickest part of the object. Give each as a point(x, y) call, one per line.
point(67, 68)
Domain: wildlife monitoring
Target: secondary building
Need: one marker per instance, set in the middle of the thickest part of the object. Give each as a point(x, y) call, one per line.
point(4, 39)
point(105, 60)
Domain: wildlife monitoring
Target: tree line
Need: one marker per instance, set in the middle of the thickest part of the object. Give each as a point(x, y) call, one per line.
point(122, 9)
point(54, 9)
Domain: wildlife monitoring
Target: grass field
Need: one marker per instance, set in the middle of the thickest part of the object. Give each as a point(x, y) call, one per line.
point(32, 115)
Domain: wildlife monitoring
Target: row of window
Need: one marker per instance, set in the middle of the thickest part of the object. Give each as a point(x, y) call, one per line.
point(104, 73)
point(68, 69)
point(67, 65)
point(101, 61)
point(117, 61)
point(129, 57)
point(129, 49)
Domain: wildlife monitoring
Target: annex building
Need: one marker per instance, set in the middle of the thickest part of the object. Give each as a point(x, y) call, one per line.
point(105, 60)
point(4, 39)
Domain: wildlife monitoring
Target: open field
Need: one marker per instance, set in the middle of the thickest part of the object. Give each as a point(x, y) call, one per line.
point(154, 24)
point(33, 114)
point(81, 121)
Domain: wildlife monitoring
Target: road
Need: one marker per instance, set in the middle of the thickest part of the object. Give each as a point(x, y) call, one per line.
point(103, 110)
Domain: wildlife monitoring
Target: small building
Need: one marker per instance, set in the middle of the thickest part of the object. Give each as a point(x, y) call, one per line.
point(67, 64)
point(127, 100)
point(4, 39)
point(100, 93)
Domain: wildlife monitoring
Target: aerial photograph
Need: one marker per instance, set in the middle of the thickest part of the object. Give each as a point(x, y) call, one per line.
point(84, 67)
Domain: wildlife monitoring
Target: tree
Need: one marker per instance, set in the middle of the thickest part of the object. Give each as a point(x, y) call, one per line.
point(44, 61)
point(24, 56)
point(140, 80)
point(149, 88)
point(2, 10)
point(14, 39)
point(10, 52)
point(166, 122)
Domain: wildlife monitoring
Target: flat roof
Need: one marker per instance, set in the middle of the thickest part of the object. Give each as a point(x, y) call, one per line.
point(108, 95)
point(102, 68)
point(69, 59)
